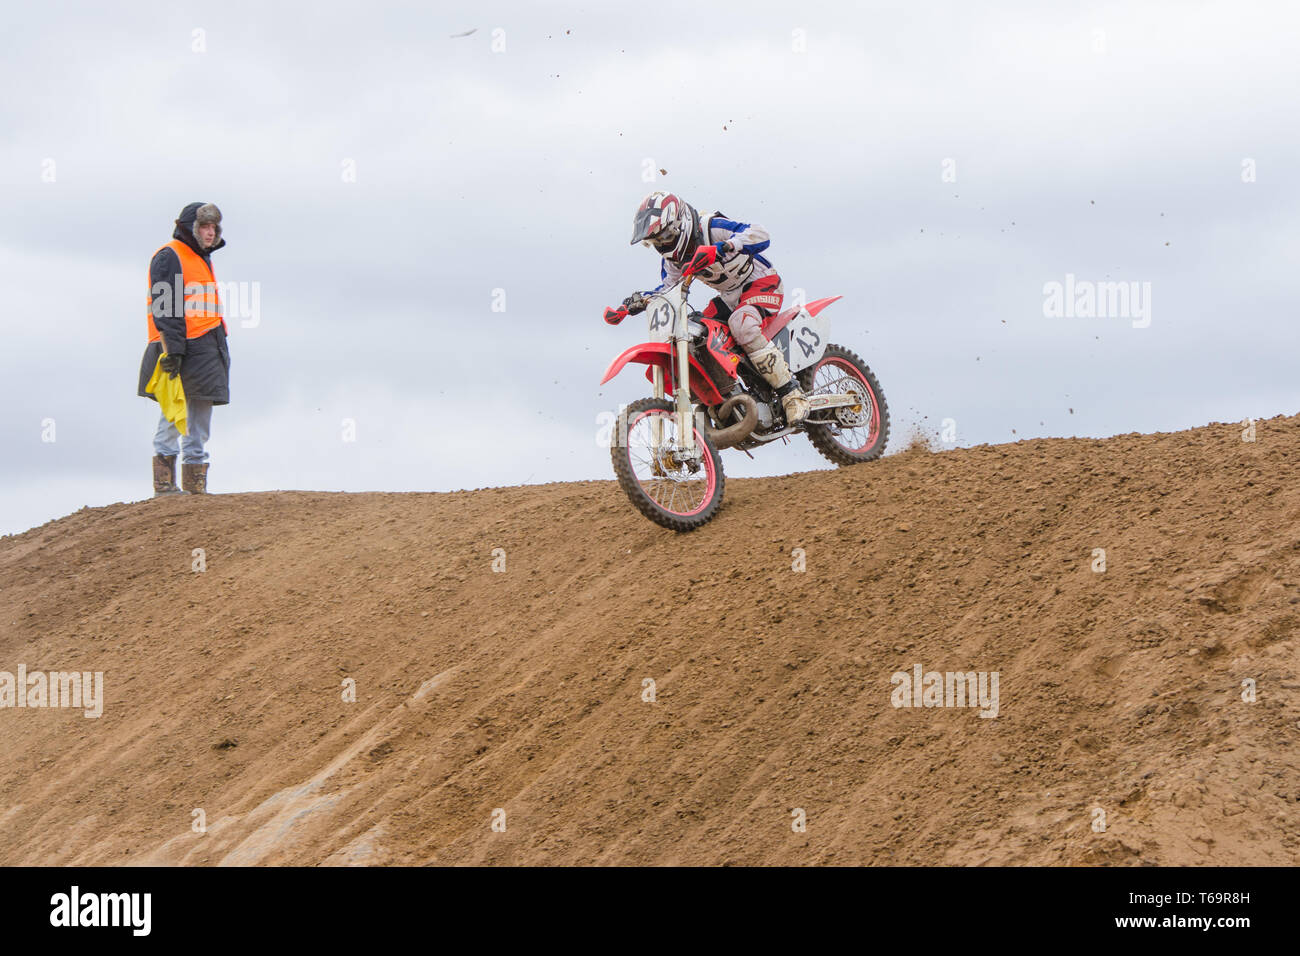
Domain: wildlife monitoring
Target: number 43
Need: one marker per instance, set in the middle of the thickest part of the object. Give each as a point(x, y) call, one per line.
point(808, 348)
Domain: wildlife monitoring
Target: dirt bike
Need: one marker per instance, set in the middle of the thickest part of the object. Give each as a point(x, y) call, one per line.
point(666, 453)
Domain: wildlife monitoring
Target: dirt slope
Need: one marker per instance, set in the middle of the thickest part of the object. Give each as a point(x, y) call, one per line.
point(523, 690)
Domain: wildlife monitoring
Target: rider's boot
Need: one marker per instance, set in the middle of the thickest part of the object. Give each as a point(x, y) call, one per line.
point(770, 363)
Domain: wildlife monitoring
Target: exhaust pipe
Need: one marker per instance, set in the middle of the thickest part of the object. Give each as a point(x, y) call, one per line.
point(734, 434)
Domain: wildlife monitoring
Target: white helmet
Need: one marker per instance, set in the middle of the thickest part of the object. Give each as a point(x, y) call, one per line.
point(667, 224)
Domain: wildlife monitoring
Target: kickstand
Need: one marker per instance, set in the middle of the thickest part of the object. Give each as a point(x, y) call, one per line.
point(746, 451)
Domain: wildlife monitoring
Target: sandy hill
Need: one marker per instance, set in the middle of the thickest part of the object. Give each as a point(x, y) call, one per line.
point(523, 690)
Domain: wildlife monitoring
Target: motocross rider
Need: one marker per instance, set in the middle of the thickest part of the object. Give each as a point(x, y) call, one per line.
point(726, 256)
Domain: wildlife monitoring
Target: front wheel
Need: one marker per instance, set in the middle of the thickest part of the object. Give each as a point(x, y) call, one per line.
point(852, 435)
point(665, 482)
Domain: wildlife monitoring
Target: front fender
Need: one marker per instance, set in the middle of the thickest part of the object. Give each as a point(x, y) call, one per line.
point(647, 353)
point(661, 354)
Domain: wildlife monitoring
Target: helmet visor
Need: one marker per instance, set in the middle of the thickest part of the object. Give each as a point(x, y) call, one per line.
point(646, 219)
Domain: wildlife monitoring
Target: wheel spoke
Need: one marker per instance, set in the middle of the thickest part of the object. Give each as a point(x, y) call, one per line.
point(835, 376)
point(662, 479)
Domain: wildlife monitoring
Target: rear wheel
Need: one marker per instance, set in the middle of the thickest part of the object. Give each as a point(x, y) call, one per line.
point(853, 435)
point(664, 483)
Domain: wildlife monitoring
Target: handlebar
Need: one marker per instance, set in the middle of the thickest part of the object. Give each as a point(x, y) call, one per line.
point(614, 316)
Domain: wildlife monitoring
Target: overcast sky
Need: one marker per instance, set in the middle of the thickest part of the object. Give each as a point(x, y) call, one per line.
point(937, 164)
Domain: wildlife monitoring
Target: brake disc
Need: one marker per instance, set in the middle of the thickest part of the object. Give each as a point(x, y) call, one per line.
point(854, 416)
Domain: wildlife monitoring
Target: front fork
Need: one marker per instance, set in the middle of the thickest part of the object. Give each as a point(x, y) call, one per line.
point(656, 425)
point(682, 393)
point(685, 418)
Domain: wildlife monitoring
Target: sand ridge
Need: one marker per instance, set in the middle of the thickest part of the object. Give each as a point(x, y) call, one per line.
point(521, 695)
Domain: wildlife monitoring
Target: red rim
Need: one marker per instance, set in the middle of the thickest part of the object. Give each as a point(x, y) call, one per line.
point(667, 485)
point(873, 429)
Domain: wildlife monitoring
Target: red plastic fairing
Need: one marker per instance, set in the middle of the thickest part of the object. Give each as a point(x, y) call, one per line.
point(648, 353)
point(777, 322)
point(660, 353)
point(818, 304)
point(722, 347)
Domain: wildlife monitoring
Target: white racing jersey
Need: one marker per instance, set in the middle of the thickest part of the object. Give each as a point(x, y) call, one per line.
point(744, 264)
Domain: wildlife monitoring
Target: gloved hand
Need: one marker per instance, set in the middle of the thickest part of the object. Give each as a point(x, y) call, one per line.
point(704, 257)
point(171, 364)
point(634, 304)
point(615, 316)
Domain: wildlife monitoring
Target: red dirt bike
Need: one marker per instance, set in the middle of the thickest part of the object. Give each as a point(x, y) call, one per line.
point(665, 452)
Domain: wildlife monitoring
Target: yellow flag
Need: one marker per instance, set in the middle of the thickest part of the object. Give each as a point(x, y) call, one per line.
point(171, 396)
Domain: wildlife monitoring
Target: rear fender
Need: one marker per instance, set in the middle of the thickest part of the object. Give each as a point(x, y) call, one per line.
point(802, 334)
point(782, 319)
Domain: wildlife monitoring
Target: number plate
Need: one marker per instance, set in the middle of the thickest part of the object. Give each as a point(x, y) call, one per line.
point(807, 339)
point(659, 319)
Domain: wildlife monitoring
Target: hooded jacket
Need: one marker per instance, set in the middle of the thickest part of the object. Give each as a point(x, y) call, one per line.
point(205, 366)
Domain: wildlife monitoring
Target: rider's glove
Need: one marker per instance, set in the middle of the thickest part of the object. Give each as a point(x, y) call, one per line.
point(171, 364)
point(634, 304)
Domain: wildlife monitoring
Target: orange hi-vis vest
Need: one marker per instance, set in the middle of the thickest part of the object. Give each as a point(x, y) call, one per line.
point(202, 304)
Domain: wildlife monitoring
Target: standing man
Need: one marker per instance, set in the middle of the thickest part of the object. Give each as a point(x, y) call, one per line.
point(187, 329)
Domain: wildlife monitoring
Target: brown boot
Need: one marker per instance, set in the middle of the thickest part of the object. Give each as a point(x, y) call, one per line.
point(164, 476)
point(194, 479)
